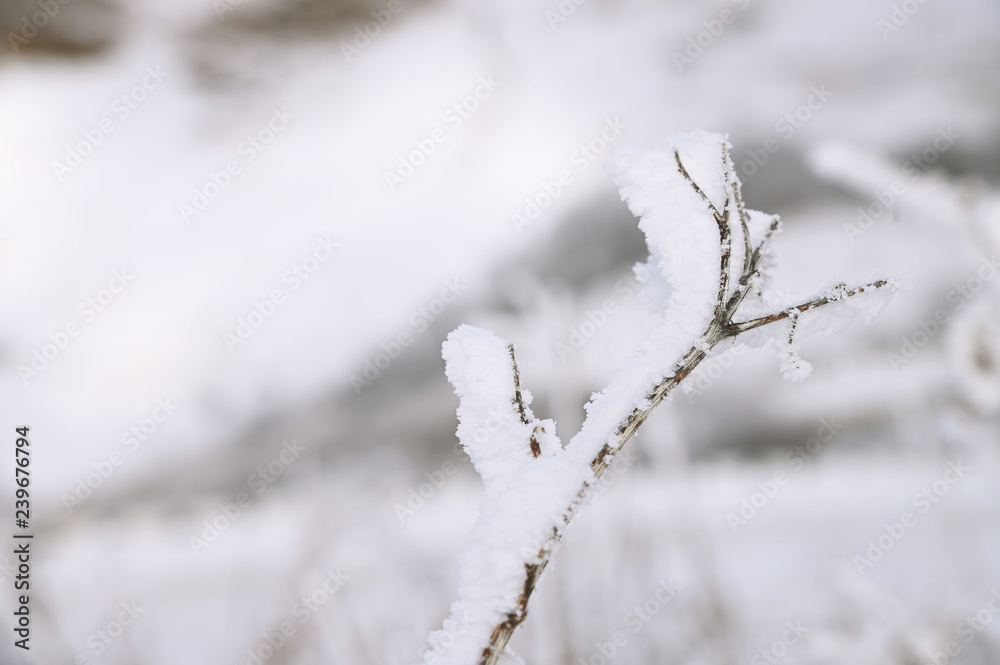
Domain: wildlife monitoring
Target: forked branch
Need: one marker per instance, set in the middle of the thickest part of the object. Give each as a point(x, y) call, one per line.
point(724, 324)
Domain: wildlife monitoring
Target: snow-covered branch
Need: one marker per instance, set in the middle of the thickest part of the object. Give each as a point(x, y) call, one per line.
point(709, 273)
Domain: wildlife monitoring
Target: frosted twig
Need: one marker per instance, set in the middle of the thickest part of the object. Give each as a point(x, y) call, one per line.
point(725, 233)
point(842, 292)
point(554, 482)
point(518, 400)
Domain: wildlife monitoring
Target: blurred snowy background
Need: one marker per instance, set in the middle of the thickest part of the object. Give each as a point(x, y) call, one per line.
point(236, 232)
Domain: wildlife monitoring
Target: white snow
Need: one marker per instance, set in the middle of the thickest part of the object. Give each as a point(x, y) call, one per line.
point(61, 241)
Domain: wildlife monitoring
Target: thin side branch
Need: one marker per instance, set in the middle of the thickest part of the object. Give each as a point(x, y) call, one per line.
point(792, 327)
point(518, 401)
point(841, 292)
point(752, 272)
point(725, 233)
point(694, 185)
point(734, 187)
point(536, 448)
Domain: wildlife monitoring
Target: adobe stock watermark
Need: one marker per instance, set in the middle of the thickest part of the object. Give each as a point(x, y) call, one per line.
point(30, 25)
point(365, 34)
point(581, 159)
point(786, 126)
point(899, 16)
point(635, 620)
point(713, 29)
point(910, 345)
point(453, 118)
point(968, 628)
point(259, 481)
point(579, 335)
point(454, 626)
point(419, 320)
point(709, 371)
point(121, 108)
point(131, 440)
point(86, 311)
point(924, 500)
point(616, 468)
point(101, 640)
point(417, 497)
point(271, 642)
point(247, 151)
point(223, 7)
point(562, 12)
point(6, 569)
point(914, 167)
point(794, 632)
point(263, 309)
point(795, 459)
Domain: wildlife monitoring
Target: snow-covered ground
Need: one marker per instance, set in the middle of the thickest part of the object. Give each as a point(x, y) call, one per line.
point(794, 560)
point(214, 335)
